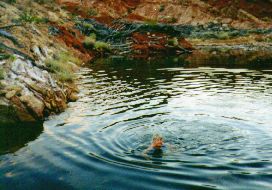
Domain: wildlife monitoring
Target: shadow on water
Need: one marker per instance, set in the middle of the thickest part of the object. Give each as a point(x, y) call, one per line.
point(16, 136)
point(134, 67)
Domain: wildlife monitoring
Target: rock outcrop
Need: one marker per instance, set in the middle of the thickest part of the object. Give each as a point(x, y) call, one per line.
point(31, 87)
point(32, 92)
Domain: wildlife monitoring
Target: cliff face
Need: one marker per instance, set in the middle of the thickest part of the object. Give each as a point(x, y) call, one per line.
point(260, 9)
point(241, 14)
point(212, 19)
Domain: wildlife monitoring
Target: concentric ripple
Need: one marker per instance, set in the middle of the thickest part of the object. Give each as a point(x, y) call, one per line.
point(216, 123)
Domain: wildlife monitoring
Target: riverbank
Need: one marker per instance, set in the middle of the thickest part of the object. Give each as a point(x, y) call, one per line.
point(43, 44)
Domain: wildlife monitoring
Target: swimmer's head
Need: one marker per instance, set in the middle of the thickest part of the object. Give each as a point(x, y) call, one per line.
point(157, 141)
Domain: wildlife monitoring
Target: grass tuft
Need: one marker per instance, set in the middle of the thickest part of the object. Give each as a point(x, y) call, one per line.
point(2, 74)
point(90, 40)
point(102, 46)
point(62, 66)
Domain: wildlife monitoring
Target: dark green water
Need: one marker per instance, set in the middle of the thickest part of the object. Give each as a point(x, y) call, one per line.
point(216, 114)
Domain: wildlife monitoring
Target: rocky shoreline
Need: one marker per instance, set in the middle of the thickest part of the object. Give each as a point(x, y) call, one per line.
point(41, 49)
point(31, 86)
point(31, 93)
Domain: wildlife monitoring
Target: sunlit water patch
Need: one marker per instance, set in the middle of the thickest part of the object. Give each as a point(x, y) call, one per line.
point(217, 122)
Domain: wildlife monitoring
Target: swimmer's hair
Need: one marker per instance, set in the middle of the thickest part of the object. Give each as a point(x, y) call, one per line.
point(157, 136)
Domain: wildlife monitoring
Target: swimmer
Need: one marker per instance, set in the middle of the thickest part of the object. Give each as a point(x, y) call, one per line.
point(157, 142)
point(156, 148)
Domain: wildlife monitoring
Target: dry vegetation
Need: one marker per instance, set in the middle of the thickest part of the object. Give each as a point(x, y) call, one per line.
point(63, 66)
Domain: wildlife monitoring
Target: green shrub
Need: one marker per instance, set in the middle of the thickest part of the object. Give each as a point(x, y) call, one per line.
point(89, 41)
point(214, 35)
point(88, 26)
point(162, 8)
point(7, 56)
point(102, 46)
point(92, 12)
point(173, 42)
point(173, 20)
point(93, 35)
point(28, 16)
point(11, 1)
point(268, 39)
point(223, 35)
point(44, 1)
point(151, 22)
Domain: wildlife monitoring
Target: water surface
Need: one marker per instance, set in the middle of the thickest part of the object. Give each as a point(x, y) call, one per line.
point(217, 118)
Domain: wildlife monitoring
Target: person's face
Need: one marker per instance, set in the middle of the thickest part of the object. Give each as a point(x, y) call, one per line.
point(157, 143)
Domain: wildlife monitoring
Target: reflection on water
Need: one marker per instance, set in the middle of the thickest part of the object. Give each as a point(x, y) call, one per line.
point(12, 138)
point(217, 119)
